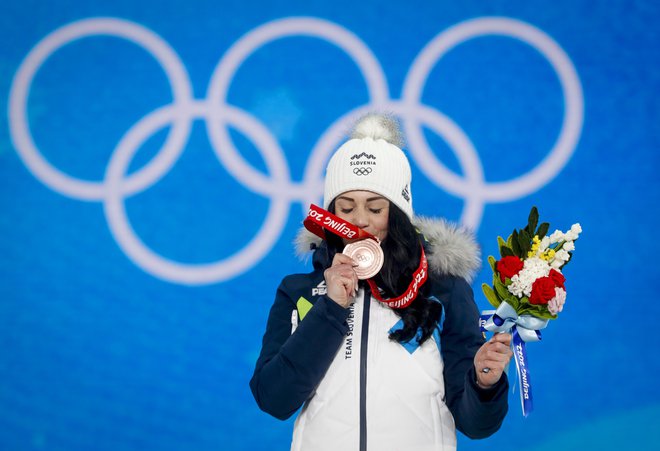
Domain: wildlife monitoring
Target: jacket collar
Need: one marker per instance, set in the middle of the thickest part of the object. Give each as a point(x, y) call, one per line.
point(451, 250)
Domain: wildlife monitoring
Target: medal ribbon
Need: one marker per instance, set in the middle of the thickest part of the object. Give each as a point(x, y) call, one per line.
point(419, 278)
point(319, 221)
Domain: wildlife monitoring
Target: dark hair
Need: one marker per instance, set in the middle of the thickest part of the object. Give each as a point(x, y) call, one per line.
point(402, 253)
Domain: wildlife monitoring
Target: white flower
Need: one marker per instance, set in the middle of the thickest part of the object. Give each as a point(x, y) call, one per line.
point(569, 246)
point(556, 236)
point(556, 304)
point(573, 234)
point(562, 255)
point(521, 283)
point(545, 242)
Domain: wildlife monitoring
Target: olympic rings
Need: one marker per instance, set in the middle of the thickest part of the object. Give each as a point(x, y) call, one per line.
point(277, 184)
point(18, 119)
point(362, 171)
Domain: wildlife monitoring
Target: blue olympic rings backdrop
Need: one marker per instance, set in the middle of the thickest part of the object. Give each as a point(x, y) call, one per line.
point(157, 159)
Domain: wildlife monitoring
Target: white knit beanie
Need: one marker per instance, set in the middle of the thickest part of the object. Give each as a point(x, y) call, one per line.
point(372, 160)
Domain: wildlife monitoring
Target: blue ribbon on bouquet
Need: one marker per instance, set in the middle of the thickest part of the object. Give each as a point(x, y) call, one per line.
point(523, 328)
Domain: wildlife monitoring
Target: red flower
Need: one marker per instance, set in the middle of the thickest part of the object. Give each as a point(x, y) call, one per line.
point(543, 289)
point(558, 278)
point(508, 267)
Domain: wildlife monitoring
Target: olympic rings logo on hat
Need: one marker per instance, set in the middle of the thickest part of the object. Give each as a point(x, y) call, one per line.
point(278, 185)
point(362, 171)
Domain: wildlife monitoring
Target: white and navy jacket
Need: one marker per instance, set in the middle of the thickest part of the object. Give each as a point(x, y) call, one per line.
point(359, 389)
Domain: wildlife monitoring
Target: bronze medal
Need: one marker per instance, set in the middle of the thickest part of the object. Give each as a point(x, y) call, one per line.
point(368, 255)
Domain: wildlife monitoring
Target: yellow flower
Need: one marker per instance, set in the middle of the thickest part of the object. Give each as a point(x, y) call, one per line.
point(548, 255)
point(535, 247)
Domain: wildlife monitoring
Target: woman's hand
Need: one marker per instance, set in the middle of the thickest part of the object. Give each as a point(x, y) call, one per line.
point(494, 355)
point(341, 280)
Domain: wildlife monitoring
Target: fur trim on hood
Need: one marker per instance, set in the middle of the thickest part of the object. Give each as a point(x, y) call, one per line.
point(452, 250)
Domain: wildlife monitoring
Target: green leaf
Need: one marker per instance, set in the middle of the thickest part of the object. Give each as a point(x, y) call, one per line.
point(501, 290)
point(504, 295)
point(514, 302)
point(492, 262)
point(527, 308)
point(533, 220)
point(539, 311)
point(515, 245)
point(543, 230)
point(506, 252)
point(524, 305)
point(527, 238)
point(490, 295)
point(500, 241)
point(524, 240)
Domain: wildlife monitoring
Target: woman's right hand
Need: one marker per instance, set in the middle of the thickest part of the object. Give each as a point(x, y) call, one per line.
point(341, 280)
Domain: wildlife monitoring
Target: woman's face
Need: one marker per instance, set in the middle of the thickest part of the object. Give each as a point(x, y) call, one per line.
point(367, 210)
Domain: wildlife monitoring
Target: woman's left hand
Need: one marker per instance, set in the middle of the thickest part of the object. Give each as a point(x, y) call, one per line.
point(494, 355)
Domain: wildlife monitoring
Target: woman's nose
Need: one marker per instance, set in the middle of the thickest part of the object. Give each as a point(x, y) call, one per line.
point(361, 219)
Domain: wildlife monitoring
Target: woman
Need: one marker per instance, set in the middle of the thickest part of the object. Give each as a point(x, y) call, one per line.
point(371, 377)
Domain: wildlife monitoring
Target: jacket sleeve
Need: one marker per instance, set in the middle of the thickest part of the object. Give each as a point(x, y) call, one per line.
point(291, 366)
point(478, 413)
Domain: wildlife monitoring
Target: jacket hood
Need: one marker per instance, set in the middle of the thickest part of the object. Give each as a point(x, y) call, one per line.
point(451, 249)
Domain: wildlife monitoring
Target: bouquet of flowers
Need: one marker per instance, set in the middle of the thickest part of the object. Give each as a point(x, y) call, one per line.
point(528, 288)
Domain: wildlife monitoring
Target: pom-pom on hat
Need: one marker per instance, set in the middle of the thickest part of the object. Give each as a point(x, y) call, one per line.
point(372, 160)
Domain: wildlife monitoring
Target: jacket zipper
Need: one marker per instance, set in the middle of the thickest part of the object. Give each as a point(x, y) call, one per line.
point(364, 340)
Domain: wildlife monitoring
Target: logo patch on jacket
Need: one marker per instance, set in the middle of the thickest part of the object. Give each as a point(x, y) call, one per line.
point(320, 289)
point(413, 344)
point(303, 306)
